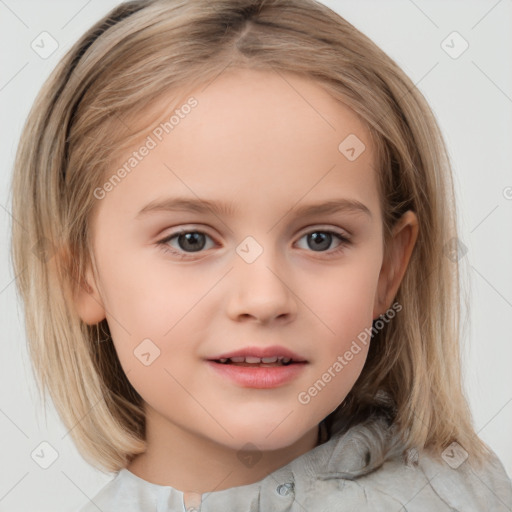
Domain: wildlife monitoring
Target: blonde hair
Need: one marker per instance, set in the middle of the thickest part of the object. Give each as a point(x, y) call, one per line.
point(138, 53)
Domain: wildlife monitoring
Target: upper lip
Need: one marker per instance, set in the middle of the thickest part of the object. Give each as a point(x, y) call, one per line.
point(261, 352)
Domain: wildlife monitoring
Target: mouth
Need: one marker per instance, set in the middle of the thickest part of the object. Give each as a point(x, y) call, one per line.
point(259, 367)
point(275, 355)
point(254, 362)
point(258, 373)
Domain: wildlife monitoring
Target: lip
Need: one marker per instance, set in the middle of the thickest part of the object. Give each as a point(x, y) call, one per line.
point(258, 377)
point(274, 350)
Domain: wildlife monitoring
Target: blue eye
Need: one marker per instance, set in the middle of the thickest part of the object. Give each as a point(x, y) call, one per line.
point(193, 241)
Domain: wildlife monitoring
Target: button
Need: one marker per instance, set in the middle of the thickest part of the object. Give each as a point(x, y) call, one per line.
point(284, 489)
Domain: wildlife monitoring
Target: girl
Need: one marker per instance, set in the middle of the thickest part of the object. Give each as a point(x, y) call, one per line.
point(272, 370)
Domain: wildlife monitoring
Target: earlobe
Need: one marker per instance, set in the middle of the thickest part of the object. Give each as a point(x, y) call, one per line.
point(404, 235)
point(87, 300)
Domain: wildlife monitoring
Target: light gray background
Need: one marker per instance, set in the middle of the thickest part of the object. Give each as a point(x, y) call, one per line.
point(472, 98)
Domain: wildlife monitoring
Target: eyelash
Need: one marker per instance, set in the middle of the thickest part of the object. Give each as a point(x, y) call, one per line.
point(163, 244)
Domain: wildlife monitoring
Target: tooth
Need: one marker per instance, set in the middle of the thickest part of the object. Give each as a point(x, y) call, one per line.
point(256, 360)
point(250, 359)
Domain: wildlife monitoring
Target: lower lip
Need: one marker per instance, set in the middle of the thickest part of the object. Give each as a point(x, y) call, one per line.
point(261, 377)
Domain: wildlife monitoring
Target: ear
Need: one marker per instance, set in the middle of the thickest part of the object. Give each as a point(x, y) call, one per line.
point(88, 301)
point(396, 259)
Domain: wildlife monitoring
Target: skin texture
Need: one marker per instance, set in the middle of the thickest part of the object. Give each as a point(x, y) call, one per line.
point(267, 147)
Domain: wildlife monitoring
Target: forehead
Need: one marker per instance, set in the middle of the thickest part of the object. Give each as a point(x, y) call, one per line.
point(250, 135)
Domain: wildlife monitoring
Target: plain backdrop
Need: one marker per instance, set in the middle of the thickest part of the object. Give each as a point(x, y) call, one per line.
point(470, 92)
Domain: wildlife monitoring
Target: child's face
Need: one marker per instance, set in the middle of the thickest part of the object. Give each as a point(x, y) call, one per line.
point(266, 146)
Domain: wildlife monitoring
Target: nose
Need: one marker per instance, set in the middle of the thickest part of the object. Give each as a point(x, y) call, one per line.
point(260, 291)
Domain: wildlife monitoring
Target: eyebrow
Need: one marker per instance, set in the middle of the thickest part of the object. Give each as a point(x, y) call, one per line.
point(222, 208)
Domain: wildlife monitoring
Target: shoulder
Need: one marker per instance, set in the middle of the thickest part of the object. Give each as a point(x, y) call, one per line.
point(465, 485)
point(373, 471)
point(129, 493)
point(429, 484)
point(108, 495)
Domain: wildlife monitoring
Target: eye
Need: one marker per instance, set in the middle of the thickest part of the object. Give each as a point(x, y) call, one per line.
point(188, 241)
point(194, 241)
point(319, 240)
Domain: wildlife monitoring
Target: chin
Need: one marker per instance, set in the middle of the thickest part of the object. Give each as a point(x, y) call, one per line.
point(259, 437)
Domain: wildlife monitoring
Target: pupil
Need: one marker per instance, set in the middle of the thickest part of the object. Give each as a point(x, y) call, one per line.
point(319, 239)
point(194, 240)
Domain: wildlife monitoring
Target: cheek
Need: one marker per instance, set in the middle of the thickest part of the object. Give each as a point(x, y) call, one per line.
point(152, 309)
point(344, 302)
point(148, 297)
point(344, 307)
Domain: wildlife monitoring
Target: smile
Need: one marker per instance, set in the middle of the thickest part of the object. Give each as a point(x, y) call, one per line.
point(256, 361)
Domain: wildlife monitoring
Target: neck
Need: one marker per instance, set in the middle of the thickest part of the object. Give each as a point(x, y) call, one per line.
point(188, 462)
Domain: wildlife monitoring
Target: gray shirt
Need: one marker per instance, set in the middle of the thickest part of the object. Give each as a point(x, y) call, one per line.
point(349, 472)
